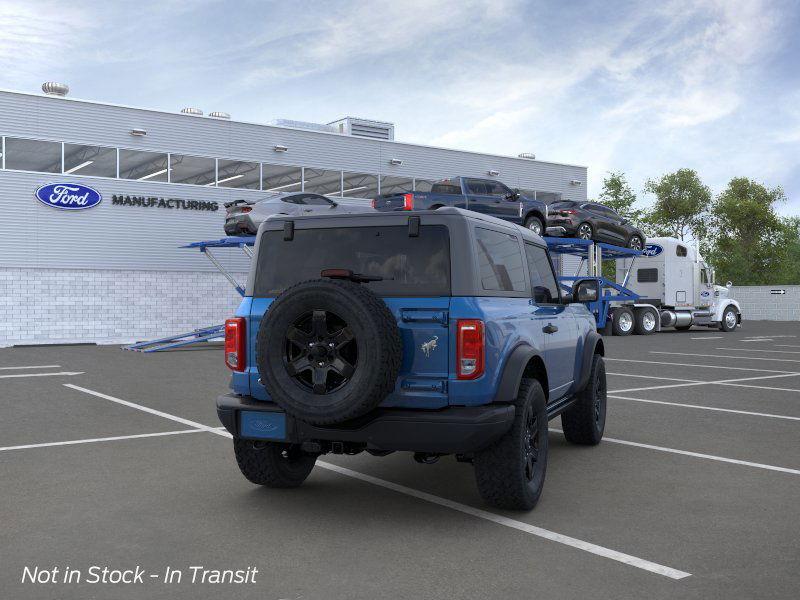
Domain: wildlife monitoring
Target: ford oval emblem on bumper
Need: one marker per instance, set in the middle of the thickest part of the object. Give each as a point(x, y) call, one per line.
point(68, 196)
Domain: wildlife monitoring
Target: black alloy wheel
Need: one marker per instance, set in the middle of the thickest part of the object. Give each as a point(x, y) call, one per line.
point(530, 445)
point(321, 354)
point(635, 243)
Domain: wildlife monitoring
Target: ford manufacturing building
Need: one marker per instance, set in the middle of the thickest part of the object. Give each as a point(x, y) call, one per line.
point(116, 271)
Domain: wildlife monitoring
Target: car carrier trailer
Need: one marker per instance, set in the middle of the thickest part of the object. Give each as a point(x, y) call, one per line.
point(670, 286)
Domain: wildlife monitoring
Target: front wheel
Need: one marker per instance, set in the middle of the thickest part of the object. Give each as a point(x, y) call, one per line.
point(635, 243)
point(584, 232)
point(535, 225)
point(273, 465)
point(622, 323)
point(510, 473)
point(729, 320)
point(584, 422)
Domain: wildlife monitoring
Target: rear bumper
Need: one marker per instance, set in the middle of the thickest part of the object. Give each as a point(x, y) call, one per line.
point(447, 431)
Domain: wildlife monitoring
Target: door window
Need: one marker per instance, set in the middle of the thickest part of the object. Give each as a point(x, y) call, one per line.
point(543, 281)
point(477, 187)
point(495, 188)
point(499, 261)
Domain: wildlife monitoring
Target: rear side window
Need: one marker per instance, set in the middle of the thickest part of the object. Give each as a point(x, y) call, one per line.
point(446, 186)
point(647, 275)
point(681, 251)
point(499, 261)
point(410, 266)
point(543, 282)
point(308, 199)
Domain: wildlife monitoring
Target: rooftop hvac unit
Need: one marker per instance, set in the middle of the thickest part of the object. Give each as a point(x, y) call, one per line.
point(303, 125)
point(192, 111)
point(377, 130)
point(219, 115)
point(51, 88)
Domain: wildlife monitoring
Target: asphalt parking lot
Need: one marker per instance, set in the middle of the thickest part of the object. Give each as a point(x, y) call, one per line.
point(115, 458)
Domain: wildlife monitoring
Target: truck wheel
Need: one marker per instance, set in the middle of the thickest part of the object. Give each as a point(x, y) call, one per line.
point(535, 225)
point(328, 351)
point(645, 321)
point(729, 320)
point(510, 473)
point(273, 465)
point(583, 422)
point(622, 323)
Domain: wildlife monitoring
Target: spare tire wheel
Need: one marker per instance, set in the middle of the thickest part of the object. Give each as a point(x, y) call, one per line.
point(328, 351)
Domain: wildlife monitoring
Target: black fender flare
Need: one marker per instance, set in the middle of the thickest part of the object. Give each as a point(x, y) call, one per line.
point(515, 367)
point(590, 348)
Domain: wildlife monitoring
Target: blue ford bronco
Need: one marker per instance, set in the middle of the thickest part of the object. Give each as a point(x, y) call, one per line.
point(435, 332)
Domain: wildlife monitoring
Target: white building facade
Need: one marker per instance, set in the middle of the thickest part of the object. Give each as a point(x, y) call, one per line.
point(116, 272)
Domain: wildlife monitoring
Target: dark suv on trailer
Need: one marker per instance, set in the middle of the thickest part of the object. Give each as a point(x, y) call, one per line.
point(437, 332)
point(593, 221)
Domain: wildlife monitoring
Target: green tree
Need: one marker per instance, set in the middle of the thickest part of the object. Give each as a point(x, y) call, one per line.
point(681, 205)
point(750, 243)
point(618, 195)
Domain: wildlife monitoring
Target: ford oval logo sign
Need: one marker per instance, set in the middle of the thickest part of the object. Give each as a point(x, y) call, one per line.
point(652, 250)
point(68, 196)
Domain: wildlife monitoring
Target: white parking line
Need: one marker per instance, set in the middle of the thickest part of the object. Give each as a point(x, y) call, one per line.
point(105, 439)
point(146, 409)
point(714, 408)
point(708, 337)
point(758, 340)
point(717, 382)
point(758, 350)
point(512, 523)
point(674, 364)
point(31, 367)
point(489, 516)
point(655, 377)
point(723, 356)
point(65, 373)
point(787, 346)
point(732, 461)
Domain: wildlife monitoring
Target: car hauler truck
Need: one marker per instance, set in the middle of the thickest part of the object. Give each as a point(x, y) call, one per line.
point(672, 276)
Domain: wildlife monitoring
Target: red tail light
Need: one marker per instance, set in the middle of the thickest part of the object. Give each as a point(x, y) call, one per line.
point(568, 212)
point(246, 209)
point(235, 339)
point(408, 201)
point(470, 349)
point(373, 202)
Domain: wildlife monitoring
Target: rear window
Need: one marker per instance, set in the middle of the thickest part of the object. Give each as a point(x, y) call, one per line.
point(410, 266)
point(446, 186)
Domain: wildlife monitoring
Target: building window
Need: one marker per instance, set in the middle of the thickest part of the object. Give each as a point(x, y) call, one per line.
point(359, 185)
point(97, 161)
point(33, 155)
point(423, 185)
point(499, 261)
point(396, 185)
point(194, 170)
point(144, 166)
point(546, 197)
point(280, 178)
point(321, 181)
point(237, 174)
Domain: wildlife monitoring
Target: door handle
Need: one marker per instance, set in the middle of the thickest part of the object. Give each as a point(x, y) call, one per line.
point(549, 328)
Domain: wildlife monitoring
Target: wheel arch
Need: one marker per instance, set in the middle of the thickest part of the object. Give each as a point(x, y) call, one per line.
point(535, 212)
point(593, 344)
point(524, 362)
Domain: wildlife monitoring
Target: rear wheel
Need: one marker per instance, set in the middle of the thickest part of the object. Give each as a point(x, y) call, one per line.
point(645, 323)
point(729, 320)
point(584, 231)
point(585, 421)
point(510, 473)
point(273, 465)
point(535, 225)
point(623, 321)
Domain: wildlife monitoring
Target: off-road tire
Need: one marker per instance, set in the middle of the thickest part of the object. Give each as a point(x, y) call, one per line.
point(618, 324)
point(375, 333)
point(640, 323)
point(584, 422)
point(531, 221)
point(723, 325)
point(500, 469)
point(271, 464)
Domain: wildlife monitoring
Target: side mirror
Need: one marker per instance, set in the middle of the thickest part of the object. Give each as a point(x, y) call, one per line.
point(729, 285)
point(566, 297)
point(511, 196)
point(334, 204)
point(586, 290)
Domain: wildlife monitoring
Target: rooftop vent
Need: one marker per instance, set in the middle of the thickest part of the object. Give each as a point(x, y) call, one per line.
point(51, 88)
point(303, 125)
point(377, 130)
point(219, 115)
point(192, 111)
point(527, 155)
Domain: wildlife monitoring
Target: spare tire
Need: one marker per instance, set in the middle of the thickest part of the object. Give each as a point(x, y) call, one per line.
point(328, 351)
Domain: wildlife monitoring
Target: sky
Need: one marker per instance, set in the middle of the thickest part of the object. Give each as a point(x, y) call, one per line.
point(639, 87)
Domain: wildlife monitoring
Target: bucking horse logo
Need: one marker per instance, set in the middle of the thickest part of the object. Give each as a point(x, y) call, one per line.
point(429, 346)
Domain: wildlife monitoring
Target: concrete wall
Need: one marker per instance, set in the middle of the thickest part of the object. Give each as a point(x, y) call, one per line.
point(48, 306)
point(759, 303)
